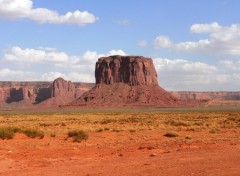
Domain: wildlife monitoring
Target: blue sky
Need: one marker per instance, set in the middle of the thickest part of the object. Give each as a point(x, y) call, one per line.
point(195, 45)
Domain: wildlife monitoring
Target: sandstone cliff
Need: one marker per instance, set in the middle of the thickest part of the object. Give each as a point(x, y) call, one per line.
point(125, 81)
point(34, 94)
point(125, 69)
point(63, 88)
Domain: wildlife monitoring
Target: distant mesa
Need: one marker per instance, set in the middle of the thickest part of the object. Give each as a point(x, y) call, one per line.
point(24, 95)
point(125, 81)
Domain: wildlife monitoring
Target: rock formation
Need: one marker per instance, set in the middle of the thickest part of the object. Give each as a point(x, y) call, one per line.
point(125, 81)
point(124, 69)
point(34, 94)
point(62, 88)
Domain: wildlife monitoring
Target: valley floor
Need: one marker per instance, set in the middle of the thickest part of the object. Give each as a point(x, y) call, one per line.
point(123, 143)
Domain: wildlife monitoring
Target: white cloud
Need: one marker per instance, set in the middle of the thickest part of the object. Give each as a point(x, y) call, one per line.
point(52, 64)
point(7, 74)
point(142, 43)
point(73, 76)
point(205, 28)
point(186, 75)
point(231, 65)
point(17, 9)
point(162, 42)
point(221, 40)
point(34, 56)
point(116, 52)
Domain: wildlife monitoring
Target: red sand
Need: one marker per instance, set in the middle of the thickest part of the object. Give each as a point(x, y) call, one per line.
point(111, 153)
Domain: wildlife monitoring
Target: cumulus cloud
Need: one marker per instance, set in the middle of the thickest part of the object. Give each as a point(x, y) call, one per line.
point(142, 43)
point(179, 74)
point(231, 65)
point(54, 64)
point(7, 74)
point(221, 40)
point(162, 42)
point(17, 9)
point(34, 56)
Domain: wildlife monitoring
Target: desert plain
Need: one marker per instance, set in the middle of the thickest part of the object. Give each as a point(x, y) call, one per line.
point(158, 141)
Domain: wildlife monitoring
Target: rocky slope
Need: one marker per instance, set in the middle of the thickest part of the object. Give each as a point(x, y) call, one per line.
point(125, 81)
point(49, 94)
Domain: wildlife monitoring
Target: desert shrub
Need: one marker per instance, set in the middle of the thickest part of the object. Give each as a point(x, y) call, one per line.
point(53, 135)
point(63, 124)
point(78, 135)
point(116, 130)
point(171, 134)
point(6, 133)
point(100, 130)
point(44, 124)
point(198, 124)
point(32, 133)
point(132, 131)
point(213, 131)
point(188, 137)
point(16, 129)
point(107, 121)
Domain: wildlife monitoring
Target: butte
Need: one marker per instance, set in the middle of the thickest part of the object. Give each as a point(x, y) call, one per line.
point(126, 81)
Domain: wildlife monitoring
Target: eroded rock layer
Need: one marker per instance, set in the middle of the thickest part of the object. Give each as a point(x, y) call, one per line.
point(126, 81)
point(35, 94)
point(132, 70)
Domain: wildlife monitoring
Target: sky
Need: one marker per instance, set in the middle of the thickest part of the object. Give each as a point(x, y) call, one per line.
point(195, 45)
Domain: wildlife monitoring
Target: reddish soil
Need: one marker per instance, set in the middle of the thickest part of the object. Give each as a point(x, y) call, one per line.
point(145, 152)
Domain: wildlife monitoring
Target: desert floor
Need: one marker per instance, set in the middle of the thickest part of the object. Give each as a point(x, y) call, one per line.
point(122, 142)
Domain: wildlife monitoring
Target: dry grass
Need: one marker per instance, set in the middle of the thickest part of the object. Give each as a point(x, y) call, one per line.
point(78, 135)
point(60, 123)
point(171, 134)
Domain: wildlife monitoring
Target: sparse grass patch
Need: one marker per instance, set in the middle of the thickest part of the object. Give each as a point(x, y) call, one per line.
point(116, 130)
point(107, 121)
point(44, 125)
point(213, 131)
point(171, 134)
point(132, 131)
point(100, 130)
point(188, 137)
point(198, 124)
point(78, 135)
point(6, 133)
point(33, 133)
point(53, 135)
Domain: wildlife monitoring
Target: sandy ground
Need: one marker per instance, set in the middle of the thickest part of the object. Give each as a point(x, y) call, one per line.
point(145, 152)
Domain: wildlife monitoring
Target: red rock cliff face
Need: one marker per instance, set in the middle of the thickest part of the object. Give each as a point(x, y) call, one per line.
point(62, 88)
point(125, 81)
point(132, 70)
